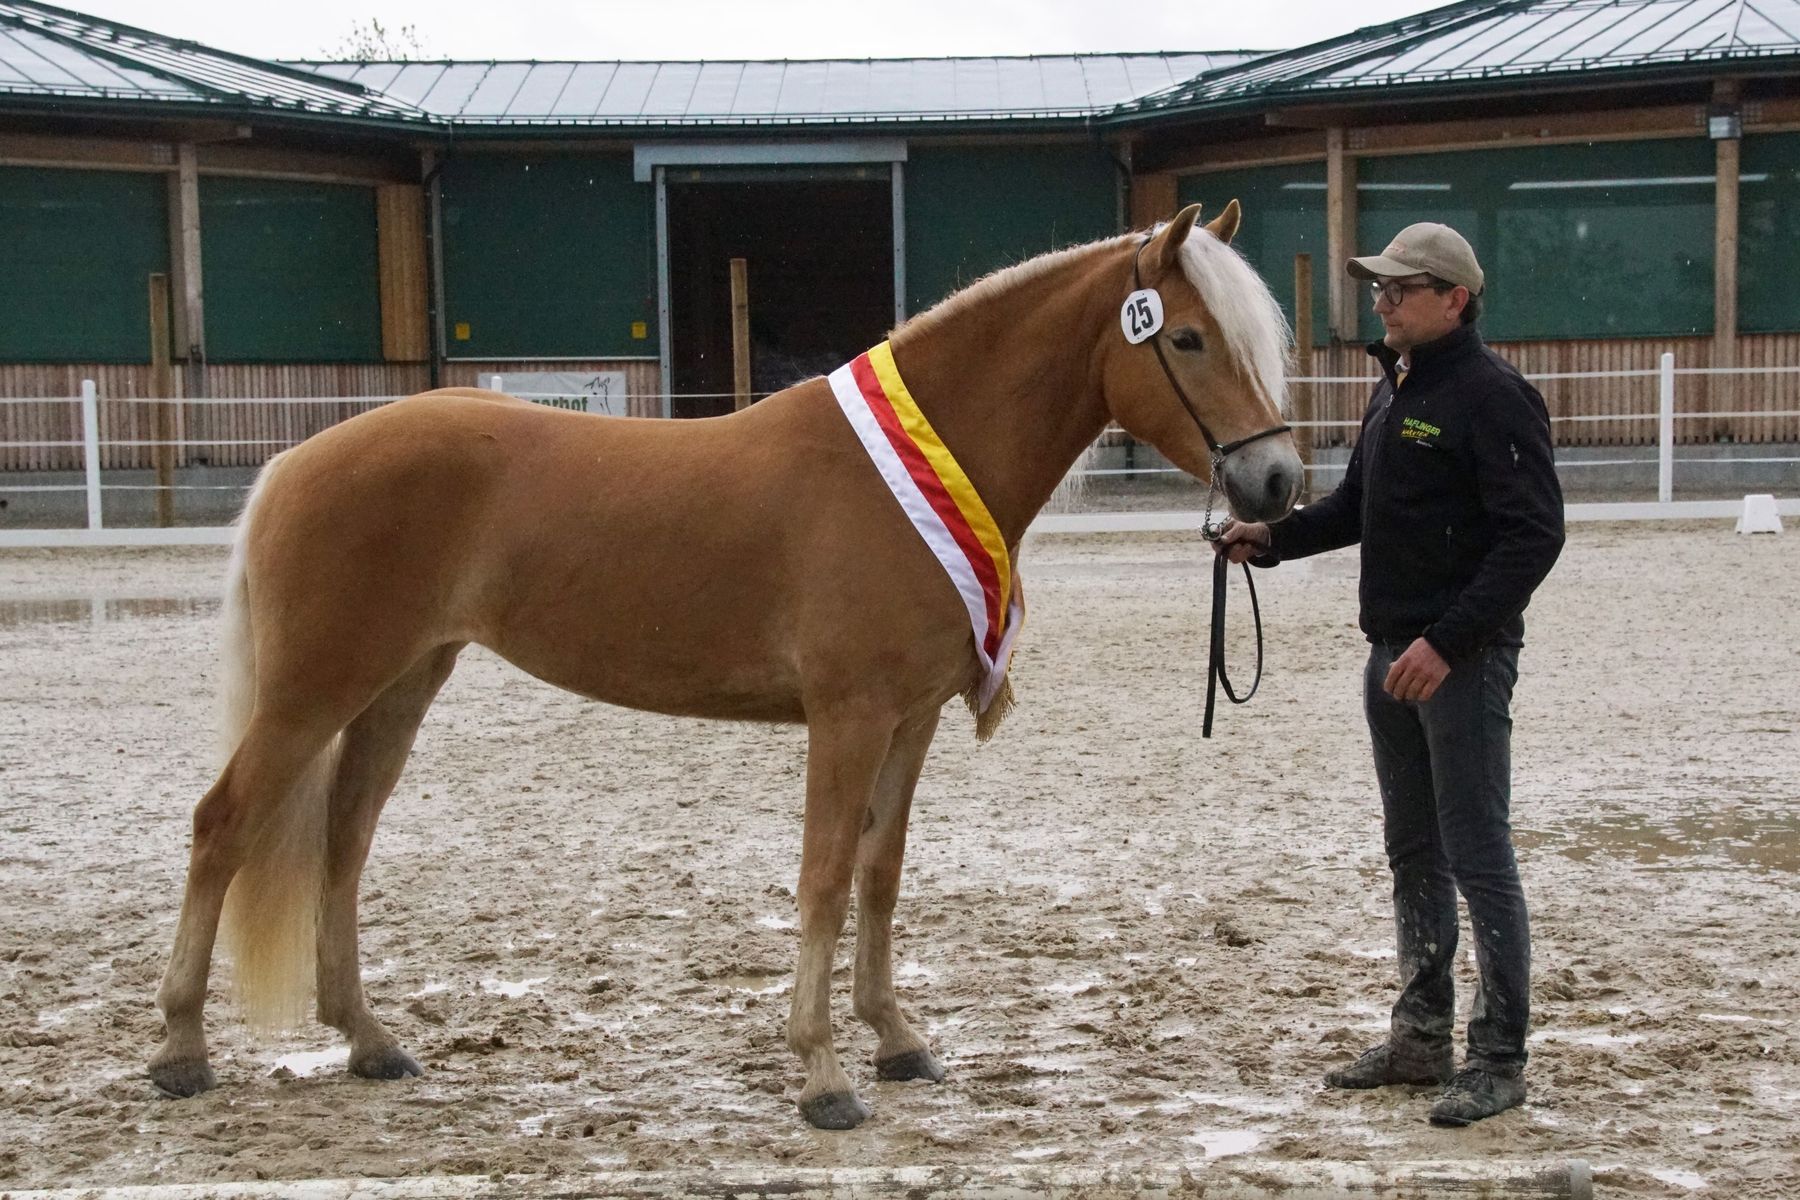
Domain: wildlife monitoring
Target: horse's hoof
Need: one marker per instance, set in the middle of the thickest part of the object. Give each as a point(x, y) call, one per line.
point(392, 1063)
point(914, 1064)
point(179, 1080)
point(834, 1110)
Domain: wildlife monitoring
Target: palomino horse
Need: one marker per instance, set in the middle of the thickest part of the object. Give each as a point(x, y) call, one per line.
point(747, 567)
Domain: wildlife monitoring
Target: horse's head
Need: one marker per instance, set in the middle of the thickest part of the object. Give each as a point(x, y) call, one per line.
point(1223, 347)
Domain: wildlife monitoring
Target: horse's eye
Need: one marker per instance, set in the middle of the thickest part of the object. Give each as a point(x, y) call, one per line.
point(1186, 339)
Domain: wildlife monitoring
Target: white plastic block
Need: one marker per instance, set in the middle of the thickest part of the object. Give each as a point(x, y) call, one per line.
point(1759, 515)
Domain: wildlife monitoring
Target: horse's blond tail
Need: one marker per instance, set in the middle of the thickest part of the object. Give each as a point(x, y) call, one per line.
point(271, 916)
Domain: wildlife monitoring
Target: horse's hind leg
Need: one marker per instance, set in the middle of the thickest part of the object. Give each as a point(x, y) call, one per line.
point(844, 757)
point(374, 750)
point(902, 1053)
point(268, 766)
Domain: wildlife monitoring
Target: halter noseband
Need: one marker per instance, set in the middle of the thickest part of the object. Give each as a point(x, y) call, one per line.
point(1219, 450)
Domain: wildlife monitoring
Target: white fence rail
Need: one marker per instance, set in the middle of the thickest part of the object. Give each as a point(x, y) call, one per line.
point(94, 485)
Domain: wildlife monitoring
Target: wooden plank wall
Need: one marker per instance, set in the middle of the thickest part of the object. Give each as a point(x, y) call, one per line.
point(59, 420)
point(1621, 396)
point(400, 230)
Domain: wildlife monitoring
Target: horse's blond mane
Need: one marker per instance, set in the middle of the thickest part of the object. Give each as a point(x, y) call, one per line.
point(1254, 327)
point(1003, 279)
point(1251, 321)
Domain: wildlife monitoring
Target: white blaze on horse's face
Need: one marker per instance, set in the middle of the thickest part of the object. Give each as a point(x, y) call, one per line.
point(1226, 345)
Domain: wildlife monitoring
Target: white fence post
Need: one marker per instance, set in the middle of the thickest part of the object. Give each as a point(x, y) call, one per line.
point(1665, 458)
point(90, 440)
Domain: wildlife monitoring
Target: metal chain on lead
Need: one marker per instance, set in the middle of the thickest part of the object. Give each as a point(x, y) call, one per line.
point(1208, 529)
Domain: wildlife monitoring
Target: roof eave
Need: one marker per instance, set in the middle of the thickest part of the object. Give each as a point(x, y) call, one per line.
point(1588, 78)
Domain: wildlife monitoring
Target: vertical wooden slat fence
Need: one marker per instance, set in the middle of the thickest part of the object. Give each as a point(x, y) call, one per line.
point(51, 413)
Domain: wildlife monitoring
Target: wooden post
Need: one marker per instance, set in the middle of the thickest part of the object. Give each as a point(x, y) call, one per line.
point(1302, 401)
point(162, 387)
point(1154, 198)
point(740, 333)
point(1340, 235)
point(188, 315)
point(1721, 395)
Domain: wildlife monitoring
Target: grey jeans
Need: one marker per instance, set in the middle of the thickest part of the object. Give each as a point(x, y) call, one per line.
point(1444, 766)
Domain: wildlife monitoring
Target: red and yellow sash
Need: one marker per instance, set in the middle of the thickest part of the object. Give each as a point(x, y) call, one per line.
point(940, 501)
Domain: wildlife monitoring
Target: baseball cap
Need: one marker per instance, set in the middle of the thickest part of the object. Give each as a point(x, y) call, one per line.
point(1424, 249)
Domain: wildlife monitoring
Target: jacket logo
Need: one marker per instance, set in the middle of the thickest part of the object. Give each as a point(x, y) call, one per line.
point(1416, 430)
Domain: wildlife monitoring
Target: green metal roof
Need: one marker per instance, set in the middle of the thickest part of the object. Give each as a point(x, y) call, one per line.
point(51, 56)
point(778, 93)
point(1485, 40)
point(65, 56)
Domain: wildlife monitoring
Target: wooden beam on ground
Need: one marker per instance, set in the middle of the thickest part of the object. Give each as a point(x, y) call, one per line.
point(1241, 1178)
point(740, 334)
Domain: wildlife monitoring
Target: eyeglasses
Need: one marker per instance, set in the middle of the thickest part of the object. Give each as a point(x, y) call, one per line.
point(1395, 293)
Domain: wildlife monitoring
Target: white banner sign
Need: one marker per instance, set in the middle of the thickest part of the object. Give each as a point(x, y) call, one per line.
point(582, 391)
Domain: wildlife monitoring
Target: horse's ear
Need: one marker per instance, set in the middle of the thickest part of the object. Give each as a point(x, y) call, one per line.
point(1225, 225)
point(1168, 241)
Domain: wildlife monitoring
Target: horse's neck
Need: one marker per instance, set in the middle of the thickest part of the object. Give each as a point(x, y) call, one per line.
point(1011, 384)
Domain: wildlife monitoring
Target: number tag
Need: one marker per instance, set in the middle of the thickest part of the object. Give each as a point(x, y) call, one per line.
point(1142, 315)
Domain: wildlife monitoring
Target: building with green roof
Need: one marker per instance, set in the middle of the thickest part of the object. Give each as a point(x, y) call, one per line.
point(1629, 171)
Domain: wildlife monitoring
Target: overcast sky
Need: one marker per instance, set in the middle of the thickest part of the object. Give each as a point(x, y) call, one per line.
point(685, 29)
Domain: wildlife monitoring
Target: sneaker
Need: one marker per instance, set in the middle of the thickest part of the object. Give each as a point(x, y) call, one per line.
point(1476, 1094)
point(1386, 1064)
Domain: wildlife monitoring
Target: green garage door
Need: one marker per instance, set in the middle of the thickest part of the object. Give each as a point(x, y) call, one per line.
point(291, 271)
point(548, 257)
point(80, 246)
point(973, 209)
point(1588, 241)
point(1769, 234)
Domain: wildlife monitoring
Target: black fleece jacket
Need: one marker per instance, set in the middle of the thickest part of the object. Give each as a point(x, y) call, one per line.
point(1452, 492)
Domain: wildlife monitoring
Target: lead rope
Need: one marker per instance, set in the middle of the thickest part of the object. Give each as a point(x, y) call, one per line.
point(1215, 654)
point(1215, 644)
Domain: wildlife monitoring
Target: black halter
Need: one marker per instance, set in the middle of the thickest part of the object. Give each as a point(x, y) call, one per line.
point(1215, 648)
point(1219, 450)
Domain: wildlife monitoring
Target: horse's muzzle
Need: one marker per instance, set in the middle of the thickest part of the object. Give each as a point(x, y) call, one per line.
point(1262, 481)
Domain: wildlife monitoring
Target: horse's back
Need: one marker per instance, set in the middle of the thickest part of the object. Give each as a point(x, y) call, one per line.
point(684, 566)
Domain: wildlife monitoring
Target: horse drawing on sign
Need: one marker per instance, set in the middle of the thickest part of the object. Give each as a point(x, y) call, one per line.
point(841, 555)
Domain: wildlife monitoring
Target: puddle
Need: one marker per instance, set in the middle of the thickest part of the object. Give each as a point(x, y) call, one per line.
point(102, 610)
point(310, 1062)
point(1768, 841)
point(1680, 1178)
point(1222, 1143)
point(1575, 1038)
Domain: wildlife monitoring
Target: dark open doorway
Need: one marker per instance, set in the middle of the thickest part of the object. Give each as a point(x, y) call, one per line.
point(819, 248)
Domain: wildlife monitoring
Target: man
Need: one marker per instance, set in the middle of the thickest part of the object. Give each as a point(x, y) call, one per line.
point(1452, 492)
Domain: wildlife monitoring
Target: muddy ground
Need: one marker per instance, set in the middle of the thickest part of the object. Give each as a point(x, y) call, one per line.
point(1129, 945)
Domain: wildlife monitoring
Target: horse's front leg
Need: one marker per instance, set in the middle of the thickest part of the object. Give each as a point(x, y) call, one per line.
point(844, 756)
point(902, 1053)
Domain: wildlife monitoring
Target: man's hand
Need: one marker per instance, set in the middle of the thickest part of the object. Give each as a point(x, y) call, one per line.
point(1243, 540)
point(1417, 673)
